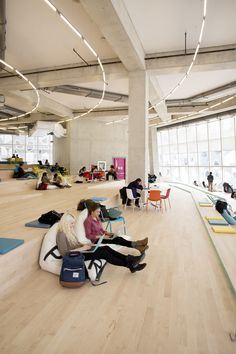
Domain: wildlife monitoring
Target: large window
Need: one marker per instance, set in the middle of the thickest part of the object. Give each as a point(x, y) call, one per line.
point(190, 152)
point(31, 149)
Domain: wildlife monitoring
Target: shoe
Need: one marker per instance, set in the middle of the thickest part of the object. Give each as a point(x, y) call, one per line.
point(142, 248)
point(142, 242)
point(138, 267)
point(133, 261)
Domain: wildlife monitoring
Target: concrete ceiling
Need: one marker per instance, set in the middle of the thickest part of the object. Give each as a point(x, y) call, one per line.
point(161, 24)
point(38, 42)
point(37, 38)
point(197, 82)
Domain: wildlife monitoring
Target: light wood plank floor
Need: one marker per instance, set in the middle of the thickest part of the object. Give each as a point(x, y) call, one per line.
point(180, 304)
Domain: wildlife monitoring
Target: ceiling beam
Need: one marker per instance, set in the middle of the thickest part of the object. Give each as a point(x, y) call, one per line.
point(32, 119)
point(113, 20)
point(66, 76)
point(230, 88)
point(195, 107)
point(172, 63)
point(155, 95)
point(46, 105)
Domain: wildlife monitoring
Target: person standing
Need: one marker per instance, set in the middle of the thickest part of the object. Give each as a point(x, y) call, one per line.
point(210, 180)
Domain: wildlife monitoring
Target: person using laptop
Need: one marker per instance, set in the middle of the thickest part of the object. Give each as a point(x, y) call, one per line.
point(94, 230)
point(67, 241)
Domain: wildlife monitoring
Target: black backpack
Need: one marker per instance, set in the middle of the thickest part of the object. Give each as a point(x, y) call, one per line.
point(50, 217)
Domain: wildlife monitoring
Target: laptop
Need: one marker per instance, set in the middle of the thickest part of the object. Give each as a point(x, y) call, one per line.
point(94, 248)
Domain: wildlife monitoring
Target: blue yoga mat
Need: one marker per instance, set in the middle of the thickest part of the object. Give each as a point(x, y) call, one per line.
point(98, 199)
point(36, 223)
point(218, 222)
point(8, 244)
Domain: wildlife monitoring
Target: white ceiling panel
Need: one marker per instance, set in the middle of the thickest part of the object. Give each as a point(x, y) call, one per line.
point(196, 83)
point(161, 24)
point(36, 37)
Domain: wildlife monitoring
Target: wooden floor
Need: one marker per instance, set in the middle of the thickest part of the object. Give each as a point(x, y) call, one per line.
point(180, 304)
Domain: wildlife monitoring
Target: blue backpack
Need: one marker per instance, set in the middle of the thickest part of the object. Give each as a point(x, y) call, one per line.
point(73, 271)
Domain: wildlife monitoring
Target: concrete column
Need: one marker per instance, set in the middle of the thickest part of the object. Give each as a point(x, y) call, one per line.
point(153, 155)
point(138, 127)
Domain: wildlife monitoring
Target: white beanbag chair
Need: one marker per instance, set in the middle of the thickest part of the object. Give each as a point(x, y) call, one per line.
point(49, 252)
point(51, 261)
point(79, 227)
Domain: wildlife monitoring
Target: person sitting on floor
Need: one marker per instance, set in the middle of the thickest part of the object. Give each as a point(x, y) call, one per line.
point(195, 183)
point(80, 175)
point(223, 208)
point(20, 173)
point(47, 164)
point(94, 230)
point(67, 241)
point(136, 186)
point(57, 181)
point(111, 172)
point(45, 181)
point(227, 188)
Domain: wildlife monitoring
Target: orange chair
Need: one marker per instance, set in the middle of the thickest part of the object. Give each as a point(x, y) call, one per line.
point(154, 196)
point(167, 196)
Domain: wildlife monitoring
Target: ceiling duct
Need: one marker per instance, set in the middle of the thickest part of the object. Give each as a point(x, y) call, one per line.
point(87, 92)
point(3, 22)
point(7, 111)
point(42, 128)
point(2, 100)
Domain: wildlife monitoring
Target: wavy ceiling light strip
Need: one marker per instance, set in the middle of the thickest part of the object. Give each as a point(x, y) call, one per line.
point(69, 24)
point(192, 63)
point(30, 83)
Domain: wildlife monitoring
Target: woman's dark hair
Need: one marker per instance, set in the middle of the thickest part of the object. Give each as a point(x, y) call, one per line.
point(138, 180)
point(92, 207)
point(85, 203)
point(221, 206)
point(44, 174)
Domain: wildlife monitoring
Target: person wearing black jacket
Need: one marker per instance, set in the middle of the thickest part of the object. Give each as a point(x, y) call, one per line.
point(136, 187)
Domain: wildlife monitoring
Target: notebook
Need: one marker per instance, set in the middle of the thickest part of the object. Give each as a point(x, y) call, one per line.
point(218, 222)
point(205, 204)
point(224, 229)
point(94, 248)
point(214, 218)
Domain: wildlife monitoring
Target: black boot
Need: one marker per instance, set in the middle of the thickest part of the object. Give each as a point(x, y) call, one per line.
point(138, 267)
point(133, 261)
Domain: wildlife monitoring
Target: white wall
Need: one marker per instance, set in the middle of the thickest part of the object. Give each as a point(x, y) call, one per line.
point(61, 151)
point(90, 141)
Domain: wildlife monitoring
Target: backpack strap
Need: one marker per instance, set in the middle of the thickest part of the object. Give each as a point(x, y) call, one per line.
point(99, 269)
point(51, 252)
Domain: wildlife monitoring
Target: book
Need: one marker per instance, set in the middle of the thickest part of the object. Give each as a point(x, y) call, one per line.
point(223, 229)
